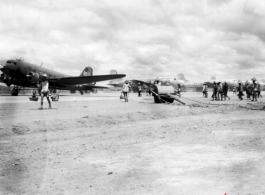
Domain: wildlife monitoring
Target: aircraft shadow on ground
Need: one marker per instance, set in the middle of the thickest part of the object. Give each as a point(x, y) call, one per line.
point(44, 109)
point(13, 96)
point(61, 95)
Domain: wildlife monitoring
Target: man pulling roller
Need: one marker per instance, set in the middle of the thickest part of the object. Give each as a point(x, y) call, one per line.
point(139, 90)
point(44, 85)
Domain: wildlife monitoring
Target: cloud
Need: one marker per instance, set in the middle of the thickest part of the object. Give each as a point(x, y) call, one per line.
point(255, 8)
point(140, 38)
point(218, 2)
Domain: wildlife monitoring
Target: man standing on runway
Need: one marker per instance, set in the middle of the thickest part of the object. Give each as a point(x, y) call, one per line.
point(44, 85)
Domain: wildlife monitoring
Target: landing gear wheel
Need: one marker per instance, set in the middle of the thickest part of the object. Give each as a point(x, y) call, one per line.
point(156, 99)
point(15, 91)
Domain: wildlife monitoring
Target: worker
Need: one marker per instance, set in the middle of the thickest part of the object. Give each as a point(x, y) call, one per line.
point(44, 85)
point(206, 90)
point(178, 90)
point(259, 90)
point(139, 90)
point(203, 89)
point(247, 89)
point(214, 95)
point(255, 89)
point(234, 91)
point(225, 90)
point(219, 91)
point(240, 91)
point(125, 90)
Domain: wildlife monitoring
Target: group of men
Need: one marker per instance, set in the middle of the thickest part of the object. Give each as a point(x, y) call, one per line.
point(220, 90)
point(253, 90)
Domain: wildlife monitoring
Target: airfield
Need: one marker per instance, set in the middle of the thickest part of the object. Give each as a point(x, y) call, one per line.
point(98, 144)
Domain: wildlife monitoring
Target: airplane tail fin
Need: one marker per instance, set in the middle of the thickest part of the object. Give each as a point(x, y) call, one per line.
point(113, 71)
point(181, 77)
point(88, 71)
point(114, 81)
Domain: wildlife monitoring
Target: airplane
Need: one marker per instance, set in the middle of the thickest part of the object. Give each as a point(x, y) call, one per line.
point(23, 74)
point(146, 82)
point(197, 85)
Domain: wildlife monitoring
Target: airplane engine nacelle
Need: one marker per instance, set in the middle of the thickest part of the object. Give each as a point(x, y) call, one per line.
point(33, 77)
point(6, 79)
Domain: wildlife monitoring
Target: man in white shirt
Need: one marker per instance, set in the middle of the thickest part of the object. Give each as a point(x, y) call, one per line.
point(44, 90)
point(125, 90)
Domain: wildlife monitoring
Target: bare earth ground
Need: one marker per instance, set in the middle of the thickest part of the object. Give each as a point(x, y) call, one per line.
point(98, 144)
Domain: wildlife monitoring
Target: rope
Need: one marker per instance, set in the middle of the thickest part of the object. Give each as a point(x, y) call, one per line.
point(263, 109)
point(205, 103)
point(213, 105)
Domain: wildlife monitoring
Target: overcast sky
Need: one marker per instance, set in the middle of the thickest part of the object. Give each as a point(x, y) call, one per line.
point(141, 38)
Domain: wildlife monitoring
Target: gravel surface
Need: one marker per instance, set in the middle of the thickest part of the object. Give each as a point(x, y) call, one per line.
point(99, 144)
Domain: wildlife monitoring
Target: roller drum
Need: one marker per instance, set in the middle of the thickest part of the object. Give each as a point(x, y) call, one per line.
point(163, 90)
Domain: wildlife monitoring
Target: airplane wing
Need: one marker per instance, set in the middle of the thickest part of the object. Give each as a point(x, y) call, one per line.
point(141, 82)
point(87, 87)
point(84, 79)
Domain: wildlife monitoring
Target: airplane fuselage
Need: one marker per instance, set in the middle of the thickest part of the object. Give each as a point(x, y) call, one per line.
point(18, 71)
point(148, 81)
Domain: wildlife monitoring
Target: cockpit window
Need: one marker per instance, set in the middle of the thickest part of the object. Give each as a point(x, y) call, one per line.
point(11, 62)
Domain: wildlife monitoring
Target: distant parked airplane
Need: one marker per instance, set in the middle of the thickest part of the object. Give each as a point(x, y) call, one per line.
point(174, 81)
point(197, 85)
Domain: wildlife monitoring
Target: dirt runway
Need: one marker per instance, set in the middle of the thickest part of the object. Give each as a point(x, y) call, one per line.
point(98, 144)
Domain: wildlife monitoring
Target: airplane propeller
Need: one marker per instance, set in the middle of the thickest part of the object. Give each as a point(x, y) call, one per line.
point(1, 66)
point(2, 77)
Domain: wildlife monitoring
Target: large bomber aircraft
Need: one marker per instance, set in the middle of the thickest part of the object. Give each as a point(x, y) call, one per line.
point(197, 85)
point(23, 74)
point(146, 81)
